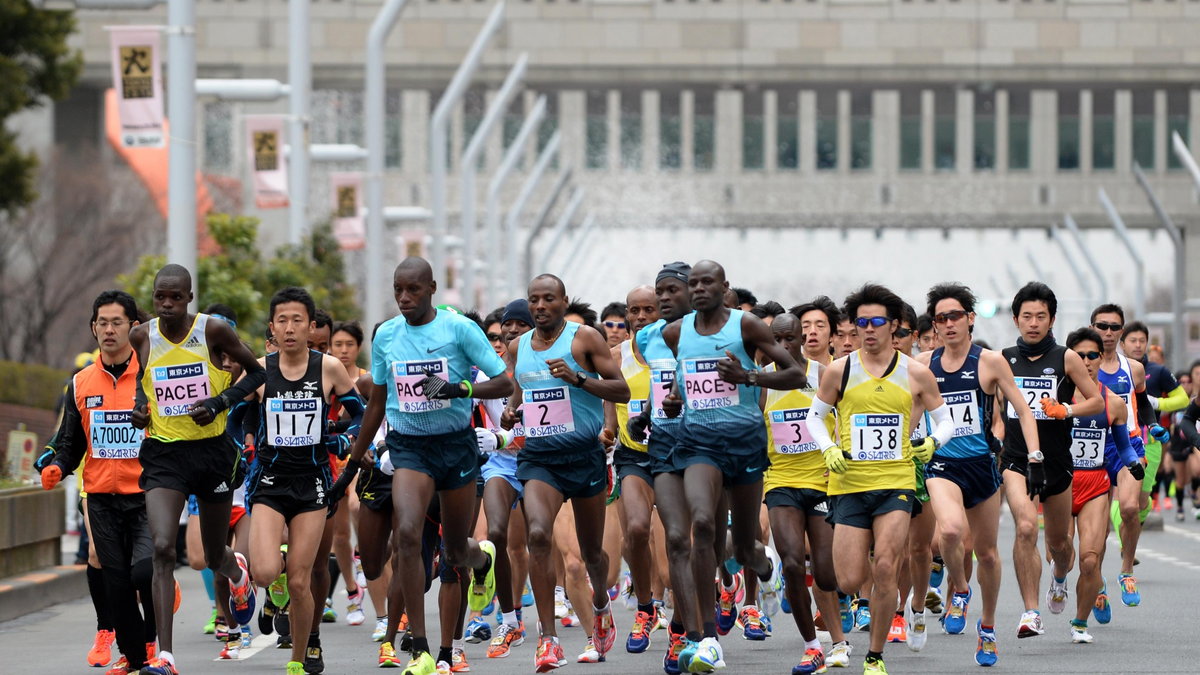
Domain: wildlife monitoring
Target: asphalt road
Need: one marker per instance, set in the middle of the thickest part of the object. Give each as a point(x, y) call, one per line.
point(1156, 637)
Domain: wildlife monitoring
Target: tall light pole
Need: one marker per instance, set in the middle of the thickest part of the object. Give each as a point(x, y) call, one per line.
point(300, 82)
point(181, 162)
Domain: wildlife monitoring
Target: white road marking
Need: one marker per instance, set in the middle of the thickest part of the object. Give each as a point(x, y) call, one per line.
point(258, 644)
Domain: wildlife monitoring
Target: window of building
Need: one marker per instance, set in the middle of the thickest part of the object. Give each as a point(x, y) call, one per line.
point(670, 131)
point(752, 130)
point(787, 130)
point(1018, 130)
point(1143, 128)
point(704, 131)
point(218, 136)
point(597, 130)
point(827, 149)
point(1068, 129)
point(943, 129)
point(910, 129)
point(860, 130)
point(1104, 129)
point(985, 130)
point(1177, 121)
point(631, 130)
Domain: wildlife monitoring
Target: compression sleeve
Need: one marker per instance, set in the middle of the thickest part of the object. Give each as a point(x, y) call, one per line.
point(1176, 400)
point(72, 441)
point(943, 425)
point(250, 382)
point(1145, 410)
point(816, 424)
point(1124, 448)
point(1188, 425)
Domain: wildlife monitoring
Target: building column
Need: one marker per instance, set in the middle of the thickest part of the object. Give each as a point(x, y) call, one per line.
point(613, 117)
point(770, 130)
point(1123, 131)
point(843, 131)
point(529, 154)
point(1001, 106)
point(1193, 139)
point(1043, 131)
point(806, 139)
point(927, 119)
point(885, 132)
point(728, 140)
point(650, 129)
point(572, 125)
point(1161, 148)
point(687, 130)
point(1086, 132)
point(457, 122)
point(414, 159)
point(964, 131)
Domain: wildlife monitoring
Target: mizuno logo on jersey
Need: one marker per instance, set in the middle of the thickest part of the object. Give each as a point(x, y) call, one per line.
point(968, 374)
point(938, 466)
point(310, 385)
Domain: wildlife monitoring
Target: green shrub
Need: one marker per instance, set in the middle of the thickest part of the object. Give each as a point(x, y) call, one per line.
point(31, 384)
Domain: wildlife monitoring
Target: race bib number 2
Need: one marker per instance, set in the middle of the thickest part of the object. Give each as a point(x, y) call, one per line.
point(410, 396)
point(177, 388)
point(876, 438)
point(113, 435)
point(547, 412)
point(704, 387)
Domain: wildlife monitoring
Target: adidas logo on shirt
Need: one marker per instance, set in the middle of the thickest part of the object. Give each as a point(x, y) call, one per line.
point(223, 487)
point(879, 389)
point(192, 342)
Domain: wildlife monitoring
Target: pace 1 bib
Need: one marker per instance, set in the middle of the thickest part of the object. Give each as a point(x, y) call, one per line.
point(1087, 447)
point(113, 435)
point(293, 422)
point(705, 388)
point(409, 394)
point(1032, 389)
point(177, 388)
point(876, 438)
point(789, 432)
point(547, 412)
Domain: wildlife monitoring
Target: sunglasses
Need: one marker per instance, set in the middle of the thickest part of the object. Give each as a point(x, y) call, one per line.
point(615, 324)
point(902, 332)
point(876, 321)
point(952, 315)
point(1104, 325)
point(1090, 356)
point(494, 337)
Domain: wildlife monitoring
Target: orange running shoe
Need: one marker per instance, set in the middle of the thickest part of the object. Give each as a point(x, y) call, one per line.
point(899, 630)
point(100, 654)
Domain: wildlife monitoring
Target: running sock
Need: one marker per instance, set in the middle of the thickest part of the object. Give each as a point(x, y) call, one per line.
point(509, 618)
point(95, 583)
point(335, 572)
point(420, 644)
point(166, 656)
point(207, 575)
point(874, 656)
point(812, 644)
point(710, 629)
point(314, 639)
point(445, 654)
point(460, 644)
point(986, 629)
point(1079, 623)
point(676, 627)
point(694, 636)
point(1195, 485)
point(647, 608)
point(864, 603)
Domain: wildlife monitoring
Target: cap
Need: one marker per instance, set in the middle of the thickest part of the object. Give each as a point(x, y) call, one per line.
point(519, 310)
point(676, 270)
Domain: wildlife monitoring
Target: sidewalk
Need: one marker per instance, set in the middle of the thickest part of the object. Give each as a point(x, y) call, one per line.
point(39, 589)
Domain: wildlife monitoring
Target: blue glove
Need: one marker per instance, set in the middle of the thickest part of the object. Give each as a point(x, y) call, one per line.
point(1159, 434)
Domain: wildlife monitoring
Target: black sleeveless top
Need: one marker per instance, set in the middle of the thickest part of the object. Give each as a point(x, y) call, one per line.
point(1044, 378)
point(292, 427)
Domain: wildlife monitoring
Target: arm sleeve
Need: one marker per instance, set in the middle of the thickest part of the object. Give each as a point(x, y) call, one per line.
point(237, 419)
point(1188, 425)
point(1145, 411)
point(250, 382)
point(72, 442)
point(1176, 400)
point(1124, 448)
point(943, 425)
point(816, 424)
point(339, 444)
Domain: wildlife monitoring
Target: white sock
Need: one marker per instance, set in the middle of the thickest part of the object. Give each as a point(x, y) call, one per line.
point(168, 657)
point(509, 619)
point(812, 644)
point(602, 609)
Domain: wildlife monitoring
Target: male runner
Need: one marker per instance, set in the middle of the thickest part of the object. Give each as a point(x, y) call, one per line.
point(616, 328)
point(181, 394)
point(95, 425)
point(564, 372)
point(722, 442)
point(291, 477)
point(962, 481)
point(420, 368)
point(818, 319)
point(876, 389)
point(847, 339)
point(1047, 375)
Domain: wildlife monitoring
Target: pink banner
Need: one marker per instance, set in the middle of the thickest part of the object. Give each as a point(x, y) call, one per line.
point(348, 226)
point(264, 141)
point(137, 78)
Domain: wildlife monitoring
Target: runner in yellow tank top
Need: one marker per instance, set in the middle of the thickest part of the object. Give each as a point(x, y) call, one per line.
point(876, 390)
point(181, 395)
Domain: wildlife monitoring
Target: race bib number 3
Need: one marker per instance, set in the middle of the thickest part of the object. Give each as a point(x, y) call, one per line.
point(113, 436)
point(177, 388)
point(293, 422)
point(1087, 448)
point(547, 412)
point(876, 438)
point(661, 381)
point(409, 394)
point(704, 387)
point(964, 412)
point(1032, 389)
point(789, 432)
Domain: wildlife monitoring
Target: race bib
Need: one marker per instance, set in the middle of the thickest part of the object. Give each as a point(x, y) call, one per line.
point(662, 378)
point(704, 387)
point(547, 412)
point(177, 388)
point(876, 438)
point(293, 422)
point(1087, 447)
point(964, 412)
point(408, 375)
point(113, 435)
point(789, 432)
point(1033, 389)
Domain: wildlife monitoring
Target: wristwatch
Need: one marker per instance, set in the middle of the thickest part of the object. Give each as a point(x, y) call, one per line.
point(1036, 456)
point(752, 378)
point(580, 378)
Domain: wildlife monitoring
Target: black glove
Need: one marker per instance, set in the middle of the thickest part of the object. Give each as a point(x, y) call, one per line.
point(637, 426)
point(338, 490)
point(436, 388)
point(1035, 479)
point(1137, 470)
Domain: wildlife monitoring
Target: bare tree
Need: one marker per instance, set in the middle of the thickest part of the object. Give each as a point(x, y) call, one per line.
point(92, 220)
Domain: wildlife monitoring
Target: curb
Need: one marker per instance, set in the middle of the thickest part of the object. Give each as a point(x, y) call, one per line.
point(34, 591)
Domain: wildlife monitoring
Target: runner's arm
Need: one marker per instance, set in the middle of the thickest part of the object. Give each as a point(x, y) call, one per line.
point(72, 441)
point(1121, 431)
point(1093, 403)
point(1188, 425)
point(141, 344)
point(1006, 386)
point(372, 417)
point(787, 374)
point(1176, 400)
point(223, 338)
point(611, 386)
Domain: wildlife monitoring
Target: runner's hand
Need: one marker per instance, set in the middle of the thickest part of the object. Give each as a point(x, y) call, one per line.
point(140, 417)
point(1053, 409)
point(385, 463)
point(835, 459)
point(1137, 471)
point(486, 440)
point(510, 418)
point(672, 404)
point(731, 370)
point(1159, 434)
point(923, 451)
point(205, 412)
point(437, 389)
point(607, 438)
point(51, 475)
point(1035, 479)
point(342, 483)
point(560, 369)
point(638, 426)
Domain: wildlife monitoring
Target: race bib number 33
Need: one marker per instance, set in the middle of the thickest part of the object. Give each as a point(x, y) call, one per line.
point(876, 437)
point(704, 387)
point(293, 422)
point(547, 412)
point(177, 388)
point(113, 436)
point(1087, 448)
point(409, 394)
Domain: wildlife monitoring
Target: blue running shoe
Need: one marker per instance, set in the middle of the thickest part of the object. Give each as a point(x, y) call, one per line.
point(477, 631)
point(753, 626)
point(675, 645)
point(1130, 596)
point(847, 615)
point(241, 595)
point(954, 622)
point(732, 565)
point(683, 659)
point(726, 616)
point(937, 571)
point(862, 619)
point(491, 607)
point(985, 650)
point(784, 605)
point(1102, 610)
point(527, 597)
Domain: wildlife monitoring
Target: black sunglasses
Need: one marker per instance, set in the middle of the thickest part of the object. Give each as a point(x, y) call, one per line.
point(1104, 325)
point(1090, 356)
point(902, 332)
point(952, 315)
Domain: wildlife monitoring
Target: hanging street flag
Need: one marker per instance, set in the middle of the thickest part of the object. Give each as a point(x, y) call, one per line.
point(265, 139)
point(348, 226)
point(137, 78)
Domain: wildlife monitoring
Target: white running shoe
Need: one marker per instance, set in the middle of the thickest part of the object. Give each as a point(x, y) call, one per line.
point(380, 630)
point(590, 654)
point(1080, 635)
point(1056, 596)
point(769, 591)
point(560, 602)
point(1031, 625)
point(916, 631)
point(354, 612)
point(839, 655)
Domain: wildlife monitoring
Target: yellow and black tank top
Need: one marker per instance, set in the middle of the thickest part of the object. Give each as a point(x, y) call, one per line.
point(177, 376)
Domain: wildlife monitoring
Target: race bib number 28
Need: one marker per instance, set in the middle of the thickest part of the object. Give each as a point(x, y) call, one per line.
point(1033, 389)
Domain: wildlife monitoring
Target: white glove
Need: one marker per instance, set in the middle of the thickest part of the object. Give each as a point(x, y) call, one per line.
point(385, 463)
point(486, 440)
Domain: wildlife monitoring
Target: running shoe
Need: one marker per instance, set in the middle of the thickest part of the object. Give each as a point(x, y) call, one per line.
point(753, 627)
point(283, 642)
point(329, 615)
point(458, 661)
point(675, 645)
point(483, 587)
point(1080, 634)
point(283, 625)
point(628, 597)
point(727, 605)
point(560, 602)
point(247, 637)
point(683, 656)
point(241, 594)
point(477, 631)
point(603, 630)
point(898, 632)
point(266, 616)
point(1130, 596)
point(314, 659)
point(354, 612)
point(955, 620)
point(380, 630)
point(846, 613)
point(1056, 595)
point(874, 666)
point(916, 631)
point(709, 657)
point(295, 668)
point(178, 598)
point(231, 650)
point(591, 653)
point(211, 626)
point(1102, 610)
point(812, 662)
point(639, 635)
point(360, 578)
point(1031, 625)
point(771, 590)
point(933, 600)
point(441, 668)
point(862, 619)
point(278, 591)
point(100, 654)
point(387, 656)
point(549, 656)
point(937, 572)
point(222, 632)
point(985, 649)
point(527, 596)
point(571, 620)
point(121, 667)
point(421, 664)
point(839, 655)
point(161, 667)
point(505, 639)
point(151, 651)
